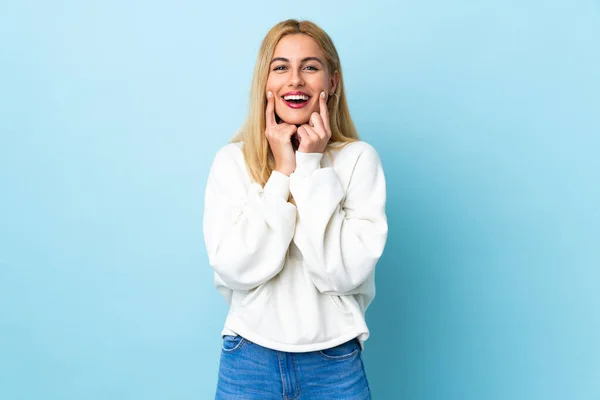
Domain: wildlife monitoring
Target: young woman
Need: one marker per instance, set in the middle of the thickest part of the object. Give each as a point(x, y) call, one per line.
point(294, 223)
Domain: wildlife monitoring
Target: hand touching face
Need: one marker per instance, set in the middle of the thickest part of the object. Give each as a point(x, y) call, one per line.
point(315, 135)
point(279, 137)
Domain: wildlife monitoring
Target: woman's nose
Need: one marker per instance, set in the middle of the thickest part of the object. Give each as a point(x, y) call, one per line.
point(296, 79)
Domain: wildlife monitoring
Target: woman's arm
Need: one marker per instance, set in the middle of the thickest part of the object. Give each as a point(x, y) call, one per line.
point(247, 230)
point(340, 243)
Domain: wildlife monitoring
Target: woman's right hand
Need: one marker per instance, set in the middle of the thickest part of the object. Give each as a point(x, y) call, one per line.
point(280, 139)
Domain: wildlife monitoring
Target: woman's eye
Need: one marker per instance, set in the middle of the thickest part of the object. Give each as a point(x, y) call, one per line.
point(283, 67)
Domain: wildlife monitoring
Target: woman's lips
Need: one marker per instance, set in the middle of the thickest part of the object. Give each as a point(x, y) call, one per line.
point(295, 105)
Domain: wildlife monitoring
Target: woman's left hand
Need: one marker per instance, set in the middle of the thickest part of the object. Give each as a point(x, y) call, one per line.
point(314, 137)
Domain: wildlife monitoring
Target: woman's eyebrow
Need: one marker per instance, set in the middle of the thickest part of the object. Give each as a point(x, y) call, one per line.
point(302, 61)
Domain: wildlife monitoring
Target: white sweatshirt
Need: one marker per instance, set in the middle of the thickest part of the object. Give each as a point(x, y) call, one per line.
point(297, 278)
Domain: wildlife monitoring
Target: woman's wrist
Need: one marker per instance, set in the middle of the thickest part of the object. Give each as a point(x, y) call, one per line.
point(284, 171)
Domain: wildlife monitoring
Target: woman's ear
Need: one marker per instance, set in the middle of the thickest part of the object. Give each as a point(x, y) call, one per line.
point(334, 80)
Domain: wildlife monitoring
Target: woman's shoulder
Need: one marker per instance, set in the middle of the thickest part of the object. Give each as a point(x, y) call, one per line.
point(229, 151)
point(229, 157)
point(231, 148)
point(232, 153)
point(355, 150)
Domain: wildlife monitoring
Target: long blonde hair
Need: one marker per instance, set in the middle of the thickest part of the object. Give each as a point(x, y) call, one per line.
point(257, 153)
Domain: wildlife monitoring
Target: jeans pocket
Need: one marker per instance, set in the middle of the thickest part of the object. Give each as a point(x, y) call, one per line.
point(232, 343)
point(341, 352)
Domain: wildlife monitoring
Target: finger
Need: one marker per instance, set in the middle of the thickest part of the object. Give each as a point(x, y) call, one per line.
point(316, 121)
point(283, 132)
point(270, 112)
point(303, 134)
point(310, 132)
point(290, 130)
point(324, 111)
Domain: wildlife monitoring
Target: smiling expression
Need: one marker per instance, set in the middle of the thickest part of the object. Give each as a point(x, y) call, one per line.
point(297, 75)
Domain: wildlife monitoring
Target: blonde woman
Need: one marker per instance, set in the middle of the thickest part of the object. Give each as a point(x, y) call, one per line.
point(294, 224)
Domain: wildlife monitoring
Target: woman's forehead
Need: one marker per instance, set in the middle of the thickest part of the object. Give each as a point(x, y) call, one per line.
point(297, 46)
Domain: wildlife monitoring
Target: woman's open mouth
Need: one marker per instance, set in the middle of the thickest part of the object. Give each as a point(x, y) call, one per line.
point(296, 100)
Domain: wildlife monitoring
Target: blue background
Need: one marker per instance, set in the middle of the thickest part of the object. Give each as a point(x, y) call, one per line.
point(486, 116)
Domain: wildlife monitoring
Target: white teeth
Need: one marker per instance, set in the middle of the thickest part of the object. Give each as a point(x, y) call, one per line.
point(296, 97)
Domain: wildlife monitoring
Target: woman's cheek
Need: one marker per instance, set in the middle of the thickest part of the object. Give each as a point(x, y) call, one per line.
point(278, 105)
point(317, 106)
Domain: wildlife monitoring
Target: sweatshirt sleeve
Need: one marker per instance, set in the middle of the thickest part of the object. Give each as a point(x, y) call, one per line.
point(247, 229)
point(341, 235)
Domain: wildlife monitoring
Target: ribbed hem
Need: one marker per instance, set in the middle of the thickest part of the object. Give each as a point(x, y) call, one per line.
point(307, 163)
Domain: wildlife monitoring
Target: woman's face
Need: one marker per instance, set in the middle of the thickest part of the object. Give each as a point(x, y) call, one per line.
point(297, 75)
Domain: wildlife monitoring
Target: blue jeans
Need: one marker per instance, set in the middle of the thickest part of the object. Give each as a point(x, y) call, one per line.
point(248, 371)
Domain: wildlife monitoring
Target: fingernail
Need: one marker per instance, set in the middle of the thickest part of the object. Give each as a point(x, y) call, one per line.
point(269, 94)
point(323, 94)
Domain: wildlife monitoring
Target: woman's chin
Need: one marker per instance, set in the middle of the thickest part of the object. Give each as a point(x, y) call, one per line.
point(295, 121)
